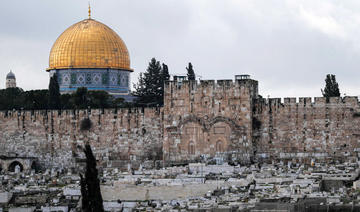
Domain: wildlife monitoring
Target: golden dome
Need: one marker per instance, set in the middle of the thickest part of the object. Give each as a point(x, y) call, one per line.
point(89, 44)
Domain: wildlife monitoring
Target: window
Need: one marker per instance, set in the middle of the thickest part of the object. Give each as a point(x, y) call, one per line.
point(191, 148)
point(219, 146)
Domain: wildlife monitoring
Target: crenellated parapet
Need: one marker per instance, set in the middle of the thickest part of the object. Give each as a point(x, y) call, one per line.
point(219, 85)
point(349, 101)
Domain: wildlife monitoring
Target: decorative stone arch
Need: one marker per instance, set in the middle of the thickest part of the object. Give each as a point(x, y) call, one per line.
point(191, 134)
point(233, 125)
point(194, 119)
point(13, 164)
point(231, 138)
point(208, 124)
point(220, 138)
point(205, 143)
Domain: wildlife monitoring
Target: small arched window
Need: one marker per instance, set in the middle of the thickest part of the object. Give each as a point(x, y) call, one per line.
point(191, 148)
point(219, 146)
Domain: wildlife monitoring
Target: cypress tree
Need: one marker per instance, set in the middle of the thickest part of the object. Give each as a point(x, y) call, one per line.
point(54, 93)
point(165, 76)
point(165, 72)
point(331, 87)
point(90, 184)
point(190, 72)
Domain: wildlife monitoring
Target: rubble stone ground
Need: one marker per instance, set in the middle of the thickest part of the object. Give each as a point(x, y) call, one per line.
point(194, 187)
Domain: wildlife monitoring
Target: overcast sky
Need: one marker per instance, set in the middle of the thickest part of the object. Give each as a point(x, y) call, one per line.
point(287, 45)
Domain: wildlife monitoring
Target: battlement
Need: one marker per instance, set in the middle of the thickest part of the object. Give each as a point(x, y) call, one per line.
point(215, 83)
point(313, 101)
point(186, 86)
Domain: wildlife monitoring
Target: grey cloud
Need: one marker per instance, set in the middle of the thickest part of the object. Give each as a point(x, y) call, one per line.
point(270, 39)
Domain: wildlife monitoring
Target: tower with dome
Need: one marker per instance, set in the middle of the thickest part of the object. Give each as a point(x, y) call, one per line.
point(10, 80)
point(90, 54)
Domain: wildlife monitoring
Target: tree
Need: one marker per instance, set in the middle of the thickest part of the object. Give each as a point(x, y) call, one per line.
point(54, 93)
point(165, 73)
point(118, 102)
point(35, 99)
point(149, 87)
point(11, 98)
point(99, 99)
point(90, 184)
point(331, 87)
point(67, 101)
point(165, 76)
point(80, 98)
point(140, 86)
point(16, 98)
point(190, 72)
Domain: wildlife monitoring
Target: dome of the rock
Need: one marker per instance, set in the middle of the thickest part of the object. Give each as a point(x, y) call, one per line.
point(90, 54)
point(89, 44)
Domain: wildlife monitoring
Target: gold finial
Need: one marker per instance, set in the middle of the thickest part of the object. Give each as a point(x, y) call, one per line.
point(89, 11)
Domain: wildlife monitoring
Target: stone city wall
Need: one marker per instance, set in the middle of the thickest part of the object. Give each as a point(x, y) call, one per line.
point(205, 119)
point(56, 139)
point(307, 129)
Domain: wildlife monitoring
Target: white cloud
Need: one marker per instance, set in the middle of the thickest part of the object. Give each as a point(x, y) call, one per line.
point(326, 24)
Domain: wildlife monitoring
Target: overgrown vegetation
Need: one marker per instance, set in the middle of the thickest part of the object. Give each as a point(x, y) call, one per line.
point(16, 98)
point(85, 124)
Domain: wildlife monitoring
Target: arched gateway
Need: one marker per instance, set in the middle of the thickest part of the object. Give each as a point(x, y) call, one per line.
point(195, 137)
point(15, 166)
point(215, 116)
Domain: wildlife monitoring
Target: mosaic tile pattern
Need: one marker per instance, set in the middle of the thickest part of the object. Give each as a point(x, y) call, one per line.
point(94, 79)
